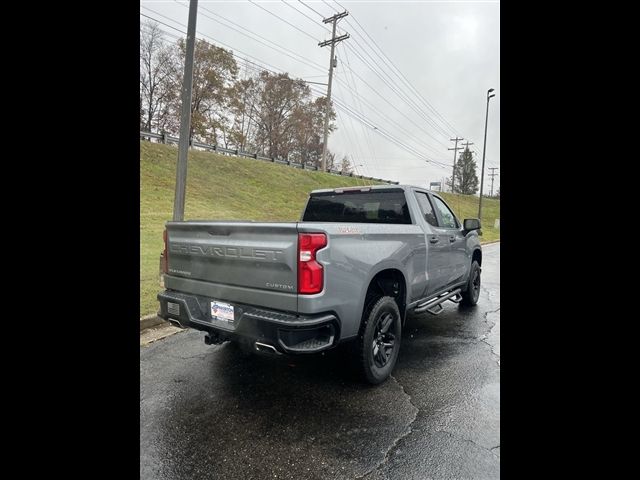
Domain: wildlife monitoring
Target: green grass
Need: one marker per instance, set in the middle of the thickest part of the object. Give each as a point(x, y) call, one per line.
point(466, 206)
point(231, 188)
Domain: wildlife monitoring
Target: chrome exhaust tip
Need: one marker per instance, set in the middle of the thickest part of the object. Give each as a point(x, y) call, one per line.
point(176, 323)
point(265, 347)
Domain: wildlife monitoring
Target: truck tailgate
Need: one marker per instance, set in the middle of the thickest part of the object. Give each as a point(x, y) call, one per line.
point(252, 256)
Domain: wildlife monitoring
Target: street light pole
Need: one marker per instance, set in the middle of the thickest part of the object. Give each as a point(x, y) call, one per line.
point(484, 151)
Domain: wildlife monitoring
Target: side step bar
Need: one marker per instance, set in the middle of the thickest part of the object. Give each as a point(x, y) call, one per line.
point(434, 306)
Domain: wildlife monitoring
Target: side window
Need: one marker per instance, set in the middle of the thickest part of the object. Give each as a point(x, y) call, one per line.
point(448, 218)
point(427, 209)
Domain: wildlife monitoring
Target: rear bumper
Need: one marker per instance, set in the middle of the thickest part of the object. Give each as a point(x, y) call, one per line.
point(286, 332)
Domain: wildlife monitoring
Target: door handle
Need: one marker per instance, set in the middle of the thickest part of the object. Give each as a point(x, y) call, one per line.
point(452, 239)
point(434, 240)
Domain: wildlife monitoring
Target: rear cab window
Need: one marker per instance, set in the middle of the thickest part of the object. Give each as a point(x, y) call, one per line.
point(358, 206)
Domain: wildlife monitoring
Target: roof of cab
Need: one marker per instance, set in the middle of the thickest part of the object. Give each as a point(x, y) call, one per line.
point(366, 188)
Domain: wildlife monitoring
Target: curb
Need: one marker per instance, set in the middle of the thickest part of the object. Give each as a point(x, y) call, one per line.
point(489, 243)
point(149, 321)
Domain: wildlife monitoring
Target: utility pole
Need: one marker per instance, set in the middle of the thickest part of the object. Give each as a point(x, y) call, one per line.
point(332, 64)
point(455, 155)
point(492, 175)
point(484, 151)
point(185, 117)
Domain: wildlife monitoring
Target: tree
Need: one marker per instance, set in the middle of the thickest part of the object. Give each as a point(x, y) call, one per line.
point(214, 71)
point(345, 166)
point(308, 122)
point(242, 105)
point(157, 78)
point(266, 113)
point(331, 160)
point(279, 96)
point(465, 174)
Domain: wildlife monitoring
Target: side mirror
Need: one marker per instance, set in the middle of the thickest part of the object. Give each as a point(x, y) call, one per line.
point(470, 224)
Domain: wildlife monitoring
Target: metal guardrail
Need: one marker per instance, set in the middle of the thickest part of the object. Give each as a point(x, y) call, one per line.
point(164, 138)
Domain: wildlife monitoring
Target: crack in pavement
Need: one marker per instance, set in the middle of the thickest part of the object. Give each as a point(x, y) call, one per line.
point(492, 351)
point(488, 292)
point(394, 444)
point(484, 336)
point(454, 435)
point(486, 320)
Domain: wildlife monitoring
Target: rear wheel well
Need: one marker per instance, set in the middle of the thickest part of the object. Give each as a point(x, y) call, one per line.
point(389, 283)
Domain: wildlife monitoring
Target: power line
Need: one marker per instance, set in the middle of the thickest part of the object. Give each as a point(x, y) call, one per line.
point(356, 144)
point(397, 90)
point(310, 8)
point(285, 21)
point(366, 133)
point(389, 63)
point(213, 44)
point(391, 138)
point(386, 117)
point(400, 75)
point(334, 1)
point(386, 100)
point(307, 16)
point(291, 54)
point(381, 131)
point(269, 67)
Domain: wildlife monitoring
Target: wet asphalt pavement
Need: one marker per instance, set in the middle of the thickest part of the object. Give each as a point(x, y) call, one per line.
point(213, 412)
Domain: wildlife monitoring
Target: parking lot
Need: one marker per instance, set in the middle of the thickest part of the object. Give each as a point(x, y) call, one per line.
point(214, 412)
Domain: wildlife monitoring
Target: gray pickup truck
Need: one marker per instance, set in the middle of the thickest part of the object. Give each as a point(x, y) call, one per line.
point(360, 260)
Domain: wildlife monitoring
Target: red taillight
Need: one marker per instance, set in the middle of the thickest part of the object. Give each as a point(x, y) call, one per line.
point(165, 254)
point(310, 272)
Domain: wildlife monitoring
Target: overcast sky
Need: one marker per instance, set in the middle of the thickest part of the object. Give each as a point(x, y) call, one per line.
point(449, 51)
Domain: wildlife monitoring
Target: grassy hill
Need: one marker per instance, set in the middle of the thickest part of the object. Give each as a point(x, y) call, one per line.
point(230, 188)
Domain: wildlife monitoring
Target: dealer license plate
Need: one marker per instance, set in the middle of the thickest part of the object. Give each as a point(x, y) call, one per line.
point(222, 311)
